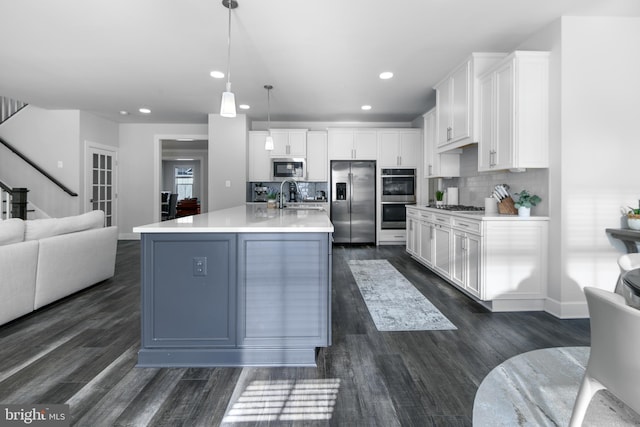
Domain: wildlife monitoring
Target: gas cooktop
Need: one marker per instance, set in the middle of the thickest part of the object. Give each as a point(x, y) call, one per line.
point(459, 208)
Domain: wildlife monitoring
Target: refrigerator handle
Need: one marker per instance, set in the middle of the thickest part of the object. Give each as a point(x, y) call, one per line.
point(350, 195)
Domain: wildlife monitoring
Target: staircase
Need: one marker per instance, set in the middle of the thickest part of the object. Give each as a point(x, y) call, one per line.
point(8, 107)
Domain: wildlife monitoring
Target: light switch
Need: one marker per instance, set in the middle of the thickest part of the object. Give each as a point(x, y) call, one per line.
point(227, 183)
point(200, 266)
point(60, 164)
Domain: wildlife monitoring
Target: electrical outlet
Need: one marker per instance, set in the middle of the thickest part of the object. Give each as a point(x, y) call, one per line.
point(200, 266)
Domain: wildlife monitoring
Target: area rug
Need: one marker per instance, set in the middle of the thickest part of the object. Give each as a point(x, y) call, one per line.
point(539, 388)
point(393, 302)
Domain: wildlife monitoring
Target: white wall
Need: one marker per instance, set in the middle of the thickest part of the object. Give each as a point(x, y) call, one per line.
point(139, 171)
point(228, 139)
point(52, 138)
point(595, 94)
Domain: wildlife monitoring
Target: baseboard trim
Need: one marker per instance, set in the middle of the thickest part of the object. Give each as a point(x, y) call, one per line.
point(567, 310)
point(129, 236)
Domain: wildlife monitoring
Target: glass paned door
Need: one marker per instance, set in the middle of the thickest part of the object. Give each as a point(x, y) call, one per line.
point(102, 182)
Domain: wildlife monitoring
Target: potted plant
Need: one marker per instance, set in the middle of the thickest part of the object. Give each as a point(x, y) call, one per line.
point(439, 197)
point(271, 199)
point(525, 201)
point(633, 219)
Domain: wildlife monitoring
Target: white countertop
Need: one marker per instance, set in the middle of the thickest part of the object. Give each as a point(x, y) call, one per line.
point(246, 219)
point(480, 215)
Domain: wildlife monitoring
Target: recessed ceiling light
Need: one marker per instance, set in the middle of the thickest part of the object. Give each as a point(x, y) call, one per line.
point(244, 106)
point(217, 74)
point(124, 113)
point(145, 110)
point(366, 107)
point(386, 75)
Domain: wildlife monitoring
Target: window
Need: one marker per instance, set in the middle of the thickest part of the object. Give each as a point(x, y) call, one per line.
point(184, 182)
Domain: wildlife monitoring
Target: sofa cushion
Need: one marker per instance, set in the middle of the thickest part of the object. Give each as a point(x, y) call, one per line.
point(36, 229)
point(11, 231)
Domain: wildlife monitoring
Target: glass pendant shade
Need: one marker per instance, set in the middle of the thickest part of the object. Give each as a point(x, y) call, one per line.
point(268, 143)
point(228, 103)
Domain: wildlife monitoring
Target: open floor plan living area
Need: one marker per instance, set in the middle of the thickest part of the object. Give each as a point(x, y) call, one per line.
point(319, 213)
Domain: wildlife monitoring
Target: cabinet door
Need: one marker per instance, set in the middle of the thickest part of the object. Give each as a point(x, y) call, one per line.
point(443, 106)
point(298, 143)
point(389, 148)
point(461, 103)
point(341, 144)
point(442, 254)
point(459, 258)
point(280, 143)
point(472, 283)
point(365, 144)
point(425, 250)
point(504, 117)
point(317, 163)
point(486, 143)
point(189, 290)
point(409, 144)
point(259, 158)
point(412, 235)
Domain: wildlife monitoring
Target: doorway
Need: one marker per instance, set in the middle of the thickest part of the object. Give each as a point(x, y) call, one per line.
point(101, 170)
point(184, 169)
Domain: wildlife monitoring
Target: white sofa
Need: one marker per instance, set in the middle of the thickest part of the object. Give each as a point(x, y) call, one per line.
point(44, 260)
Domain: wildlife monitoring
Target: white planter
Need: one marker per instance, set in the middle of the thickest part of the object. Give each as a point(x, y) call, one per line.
point(524, 211)
point(633, 223)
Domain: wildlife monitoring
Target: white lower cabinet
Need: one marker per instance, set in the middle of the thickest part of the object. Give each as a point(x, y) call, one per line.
point(501, 261)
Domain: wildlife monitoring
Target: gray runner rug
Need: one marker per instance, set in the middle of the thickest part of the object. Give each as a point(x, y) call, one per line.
point(393, 302)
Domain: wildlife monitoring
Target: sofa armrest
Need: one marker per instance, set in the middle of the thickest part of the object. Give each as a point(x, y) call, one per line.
point(17, 279)
point(71, 262)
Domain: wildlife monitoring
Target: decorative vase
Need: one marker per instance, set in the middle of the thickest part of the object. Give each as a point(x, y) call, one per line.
point(272, 204)
point(634, 222)
point(439, 203)
point(524, 211)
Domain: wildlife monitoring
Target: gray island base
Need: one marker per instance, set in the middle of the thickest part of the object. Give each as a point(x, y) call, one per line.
point(246, 286)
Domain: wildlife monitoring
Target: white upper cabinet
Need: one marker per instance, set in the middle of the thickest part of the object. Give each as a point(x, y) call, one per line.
point(514, 113)
point(399, 147)
point(435, 164)
point(317, 162)
point(356, 144)
point(259, 158)
point(456, 102)
point(289, 142)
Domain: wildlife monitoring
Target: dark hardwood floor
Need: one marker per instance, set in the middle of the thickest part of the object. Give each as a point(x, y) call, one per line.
point(82, 351)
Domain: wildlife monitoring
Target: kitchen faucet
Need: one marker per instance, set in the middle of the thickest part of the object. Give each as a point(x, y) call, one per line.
point(281, 192)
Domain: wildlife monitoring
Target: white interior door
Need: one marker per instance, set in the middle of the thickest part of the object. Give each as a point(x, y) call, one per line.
point(101, 178)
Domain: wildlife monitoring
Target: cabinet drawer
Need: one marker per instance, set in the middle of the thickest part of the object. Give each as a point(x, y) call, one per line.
point(426, 216)
point(441, 219)
point(466, 225)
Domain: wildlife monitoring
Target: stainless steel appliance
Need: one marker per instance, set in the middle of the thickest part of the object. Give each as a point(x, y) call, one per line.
point(353, 201)
point(282, 169)
point(398, 189)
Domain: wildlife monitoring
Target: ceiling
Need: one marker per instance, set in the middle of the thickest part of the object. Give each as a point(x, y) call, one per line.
point(323, 57)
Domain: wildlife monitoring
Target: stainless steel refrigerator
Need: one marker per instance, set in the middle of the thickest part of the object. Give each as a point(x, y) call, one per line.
point(353, 201)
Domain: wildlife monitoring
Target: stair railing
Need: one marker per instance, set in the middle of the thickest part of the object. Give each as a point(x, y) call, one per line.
point(38, 168)
point(9, 107)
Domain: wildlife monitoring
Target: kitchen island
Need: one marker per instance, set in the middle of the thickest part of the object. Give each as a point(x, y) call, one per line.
point(244, 286)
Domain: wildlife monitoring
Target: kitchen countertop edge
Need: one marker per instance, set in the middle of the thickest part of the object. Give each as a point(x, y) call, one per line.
point(480, 216)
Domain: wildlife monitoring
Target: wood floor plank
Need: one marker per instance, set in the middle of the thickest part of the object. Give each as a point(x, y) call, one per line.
point(82, 350)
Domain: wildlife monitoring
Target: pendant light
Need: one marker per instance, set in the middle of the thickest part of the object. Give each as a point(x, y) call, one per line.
point(268, 142)
point(228, 103)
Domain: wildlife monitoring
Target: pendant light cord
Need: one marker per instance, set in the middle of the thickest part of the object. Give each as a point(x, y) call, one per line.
point(269, 108)
point(229, 5)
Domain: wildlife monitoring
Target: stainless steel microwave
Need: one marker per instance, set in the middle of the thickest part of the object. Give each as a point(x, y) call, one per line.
point(294, 168)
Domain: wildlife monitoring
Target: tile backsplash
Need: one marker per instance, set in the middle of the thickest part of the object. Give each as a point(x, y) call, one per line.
point(474, 186)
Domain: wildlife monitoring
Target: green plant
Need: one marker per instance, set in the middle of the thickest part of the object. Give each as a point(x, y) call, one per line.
point(526, 200)
point(272, 195)
point(439, 195)
point(633, 213)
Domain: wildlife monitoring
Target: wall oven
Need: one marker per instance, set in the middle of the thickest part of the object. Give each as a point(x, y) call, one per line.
point(282, 169)
point(398, 188)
